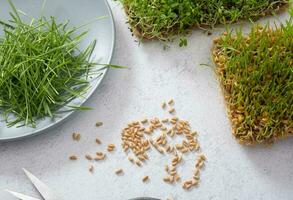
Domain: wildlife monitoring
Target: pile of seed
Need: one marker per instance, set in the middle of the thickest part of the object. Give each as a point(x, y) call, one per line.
point(255, 72)
point(138, 138)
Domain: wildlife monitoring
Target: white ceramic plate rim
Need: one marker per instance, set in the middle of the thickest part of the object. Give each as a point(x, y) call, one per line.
point(95, 86)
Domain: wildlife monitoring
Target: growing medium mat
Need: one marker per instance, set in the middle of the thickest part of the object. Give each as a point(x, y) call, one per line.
point(162, 19)
point(256, 75)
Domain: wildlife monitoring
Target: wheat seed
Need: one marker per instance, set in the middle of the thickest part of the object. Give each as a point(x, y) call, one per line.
point(98, 141)
point(202, 157)
point(172, 111)
point(171, 102)
point(98, 124)
point(76, 136)
point(165, 120)
point(111, 147)
point(101, 157)
point(99, 153)
point(131, 159)
point(119, 171)
point(163, 105)
point(144, 121)
point(138, 163)
point(91, 168)
point(73, 157)
point(88, 157)
point(145, 179)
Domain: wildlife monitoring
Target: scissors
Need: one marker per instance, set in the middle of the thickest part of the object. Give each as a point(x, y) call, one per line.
point(46, 192)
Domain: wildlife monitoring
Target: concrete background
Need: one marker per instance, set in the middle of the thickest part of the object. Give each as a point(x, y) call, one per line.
point(232, 171)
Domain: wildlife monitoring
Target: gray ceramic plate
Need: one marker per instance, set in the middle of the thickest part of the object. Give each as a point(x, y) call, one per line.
point(78, 12)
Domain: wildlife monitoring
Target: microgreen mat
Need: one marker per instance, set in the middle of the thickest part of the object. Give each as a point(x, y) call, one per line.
point(162, 19)
point(41, 68)
point(256, 74)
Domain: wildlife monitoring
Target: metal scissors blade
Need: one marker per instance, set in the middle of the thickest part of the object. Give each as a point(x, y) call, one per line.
point(21, 196)
point(43, 189)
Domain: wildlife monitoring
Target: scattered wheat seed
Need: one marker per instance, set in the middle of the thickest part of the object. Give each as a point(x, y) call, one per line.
point(102, 157)
point(133, 137)
point(165, 120)
point(99, 153)
point(88, 157)
point(177, 178)
point(111, 147)
point(163, 128)
point(201, 164)
point(145, 179)
point(73, 157)
point(202, 157)
point(195, 182)
point(76, 136)
point(172, 111)
point(98, 141)
point(196, 177)
point(167, 168)
point(73, 136)
point(138, 163)
point(171, 102)
point(141, 158)
point(119, 171)
point(194, 133)
point(196, 172)
point(144, 121)
point(184, 150)
point(173, 173)
point(164, 105)
point(98, 124)
point(91, 168)
point(131, 159)
point(167, 179)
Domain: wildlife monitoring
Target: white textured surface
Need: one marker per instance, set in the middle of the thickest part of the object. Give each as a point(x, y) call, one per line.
point(232, 171)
